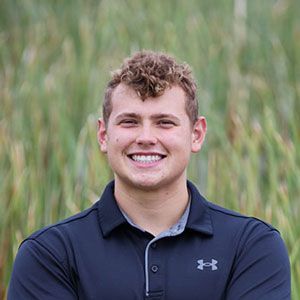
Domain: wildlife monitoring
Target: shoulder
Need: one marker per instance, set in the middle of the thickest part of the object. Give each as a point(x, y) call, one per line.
point(60, 237)
point(260, 255)
point(260, 265)
point(81, 221)
point(222, 219)
point(228, 219)
point(243, 230)
point(249, 236)
point(225, 225)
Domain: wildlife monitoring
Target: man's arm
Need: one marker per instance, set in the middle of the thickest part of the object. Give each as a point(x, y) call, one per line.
point(38, 274)
point(262, 268)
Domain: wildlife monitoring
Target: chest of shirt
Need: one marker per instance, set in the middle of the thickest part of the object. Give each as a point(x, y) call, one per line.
point(132, 267)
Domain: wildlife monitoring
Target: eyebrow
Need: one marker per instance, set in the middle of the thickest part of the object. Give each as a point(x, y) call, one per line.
point(127, 115)
point(165, 116)
point(154, 117)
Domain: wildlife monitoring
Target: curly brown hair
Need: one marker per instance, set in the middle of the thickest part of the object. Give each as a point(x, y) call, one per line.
point(150, 74)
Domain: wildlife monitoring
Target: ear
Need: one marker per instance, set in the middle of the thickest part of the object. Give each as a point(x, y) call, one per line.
point(102, 135)
point(198, 134)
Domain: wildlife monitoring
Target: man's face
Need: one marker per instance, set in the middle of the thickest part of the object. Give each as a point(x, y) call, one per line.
point(148, 143)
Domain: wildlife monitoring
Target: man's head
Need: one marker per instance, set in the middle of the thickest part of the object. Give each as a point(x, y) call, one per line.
point(149, 74)
point(150, 122)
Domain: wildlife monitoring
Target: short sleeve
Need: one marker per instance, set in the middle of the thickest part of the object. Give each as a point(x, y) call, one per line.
point(261, 269)
point(38, 274)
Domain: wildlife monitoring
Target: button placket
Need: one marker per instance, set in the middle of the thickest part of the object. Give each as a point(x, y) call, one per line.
point(154, 245)
point(154, 268)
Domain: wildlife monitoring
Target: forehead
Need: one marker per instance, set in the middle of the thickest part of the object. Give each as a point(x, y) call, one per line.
point(125, 99)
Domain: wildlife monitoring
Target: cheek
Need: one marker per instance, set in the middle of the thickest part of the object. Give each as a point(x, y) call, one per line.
point(117, 143)
point(120, 137)
point(180, 141)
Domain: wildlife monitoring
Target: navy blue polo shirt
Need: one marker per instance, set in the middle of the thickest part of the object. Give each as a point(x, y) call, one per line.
point(213, 254)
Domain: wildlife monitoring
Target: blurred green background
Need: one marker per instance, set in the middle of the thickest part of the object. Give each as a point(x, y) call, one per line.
point(55, 60)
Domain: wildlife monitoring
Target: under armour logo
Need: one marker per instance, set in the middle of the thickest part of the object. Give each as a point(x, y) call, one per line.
point(212, 264)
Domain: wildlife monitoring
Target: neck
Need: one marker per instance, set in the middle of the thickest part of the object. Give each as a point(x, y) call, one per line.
point(153, 210)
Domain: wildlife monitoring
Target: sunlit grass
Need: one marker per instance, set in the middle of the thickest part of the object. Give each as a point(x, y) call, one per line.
point(55, 58)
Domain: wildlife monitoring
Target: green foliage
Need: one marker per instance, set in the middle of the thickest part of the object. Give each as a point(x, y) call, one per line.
point(55, 59)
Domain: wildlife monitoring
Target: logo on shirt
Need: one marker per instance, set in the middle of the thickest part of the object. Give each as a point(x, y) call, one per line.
point(212, 265)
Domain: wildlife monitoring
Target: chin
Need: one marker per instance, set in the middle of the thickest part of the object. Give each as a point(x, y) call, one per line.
point(147, 184)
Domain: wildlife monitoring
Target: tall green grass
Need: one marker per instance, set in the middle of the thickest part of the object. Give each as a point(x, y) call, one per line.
point(55, 59)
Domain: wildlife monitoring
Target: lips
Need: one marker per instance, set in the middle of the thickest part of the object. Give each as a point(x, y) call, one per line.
point(146, 158)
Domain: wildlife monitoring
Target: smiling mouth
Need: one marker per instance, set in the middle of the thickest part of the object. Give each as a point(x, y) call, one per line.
point(146, 159)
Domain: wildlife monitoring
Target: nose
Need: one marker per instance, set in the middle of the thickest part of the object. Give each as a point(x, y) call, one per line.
point(146, 136)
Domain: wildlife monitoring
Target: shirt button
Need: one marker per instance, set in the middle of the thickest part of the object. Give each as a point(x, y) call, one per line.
point(153, 245)
point(154, 268)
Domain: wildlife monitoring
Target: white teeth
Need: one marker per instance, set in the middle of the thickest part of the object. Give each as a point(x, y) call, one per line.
point(146, 158)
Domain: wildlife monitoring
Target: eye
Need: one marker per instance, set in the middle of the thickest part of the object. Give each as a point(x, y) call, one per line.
point(165, 123)
point(128, 122)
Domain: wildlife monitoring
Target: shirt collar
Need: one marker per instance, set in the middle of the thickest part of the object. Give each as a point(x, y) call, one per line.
point(173, 230)
point(110, 216)
point(199, 217)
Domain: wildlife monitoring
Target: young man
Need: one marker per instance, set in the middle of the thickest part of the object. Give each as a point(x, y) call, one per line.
point(152, 235)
